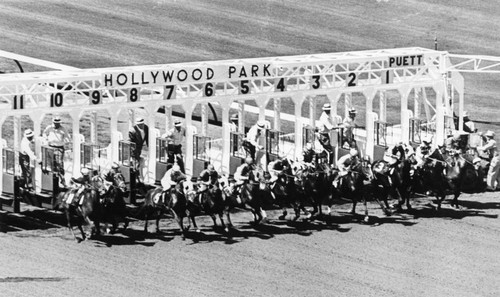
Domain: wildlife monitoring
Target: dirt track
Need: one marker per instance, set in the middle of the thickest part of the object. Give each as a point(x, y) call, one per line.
point(421, 253)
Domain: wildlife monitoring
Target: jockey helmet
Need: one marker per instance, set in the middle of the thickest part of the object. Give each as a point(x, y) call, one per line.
point(353, 152)
point(456, 136)
point(210, 167)
point(249, 160)
point(466, 114)
point(115, 165)
point(427, 139)
point(139, 121)
point(476, 160)
point(367, 158)
point(29, 133)
point(309, 146)
point(85, 171)
point(176, 168)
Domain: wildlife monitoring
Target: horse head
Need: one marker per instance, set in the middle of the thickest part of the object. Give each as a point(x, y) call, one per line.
point(119, 182)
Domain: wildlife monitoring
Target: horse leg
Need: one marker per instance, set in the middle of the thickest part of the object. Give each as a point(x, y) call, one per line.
point(367, 217)
point(180, 222)
point(70, 226)
point(146, 222)
point(283, 216)
point(229, 223)
point(263, 215)
point(158, 221)
point(353, 209)
point(214, 219)
point(196, 229)
point(221, 218)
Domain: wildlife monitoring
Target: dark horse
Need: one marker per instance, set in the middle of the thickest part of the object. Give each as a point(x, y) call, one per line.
point(157, 202)
point(442, 174)
point(112, 198)
point(210, 202)
point(250, 197)
point(395, 180)
point(352, 185)
point(89, 210)
point(314, 185)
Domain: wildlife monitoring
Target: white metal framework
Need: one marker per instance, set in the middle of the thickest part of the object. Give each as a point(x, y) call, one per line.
point(75, 91)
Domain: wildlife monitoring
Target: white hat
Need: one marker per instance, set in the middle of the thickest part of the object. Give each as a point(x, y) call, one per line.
point(353, 152)
point(309, 146)
point(139, 121)
point(476, 159)
point(466, 114)
point(177, 123)
point(261, 124)
point(427, 138)
point(489, 133)
point(353, 110)
point(85, 171)
point(115, 165)
point(327, 106)
point(56, 120)
point(29, 133)
point(234, 117)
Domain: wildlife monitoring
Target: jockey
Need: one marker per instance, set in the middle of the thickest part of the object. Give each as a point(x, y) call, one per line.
point(309, 155)
point(423, 151)
point(275, 168)
point(243, 171)
point(452, 143)
point(325, 126)
point(251, 142)
point(172, 177)
point(345, 163)
point(80, 184)
point(208, 178)
point(394, 154)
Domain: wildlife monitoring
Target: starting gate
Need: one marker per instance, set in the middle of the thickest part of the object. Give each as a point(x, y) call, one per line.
point(8, 170)
point(127, 167)
point(309, 136)
point(163, 159)
point(415, 131)
point(202, 146)
point(90, 154)
point(50, 169)
point(237, 153)
point(274, 145)
point(381, 144)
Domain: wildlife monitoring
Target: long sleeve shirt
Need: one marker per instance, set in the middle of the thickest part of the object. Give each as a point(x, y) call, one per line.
point(26, 148)
point(325, 123)
point(254, 135)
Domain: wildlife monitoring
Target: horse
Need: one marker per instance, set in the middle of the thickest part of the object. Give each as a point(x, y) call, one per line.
point(112, 198)
point(314, 185)
point(250, 197)
point(210, 202)
point(442, 174)
point(89, 210)
point(157, 202)
point(352, 186)
point(396, 180)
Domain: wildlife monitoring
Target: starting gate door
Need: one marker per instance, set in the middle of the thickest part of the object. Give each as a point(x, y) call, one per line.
point(8, 171)
point(90, 154)
point(380, 134)
point(237, 152)
point(202, 146)
point(415, 132)
point(127, 167)
point(274, 145)
point(309, 136)
point(50, 176)
point(163, 160)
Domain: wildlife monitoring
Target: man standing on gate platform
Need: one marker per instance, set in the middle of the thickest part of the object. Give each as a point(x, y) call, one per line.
point(139, 135)
point(325, 126)
point(58, 137)
point(26, 155)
